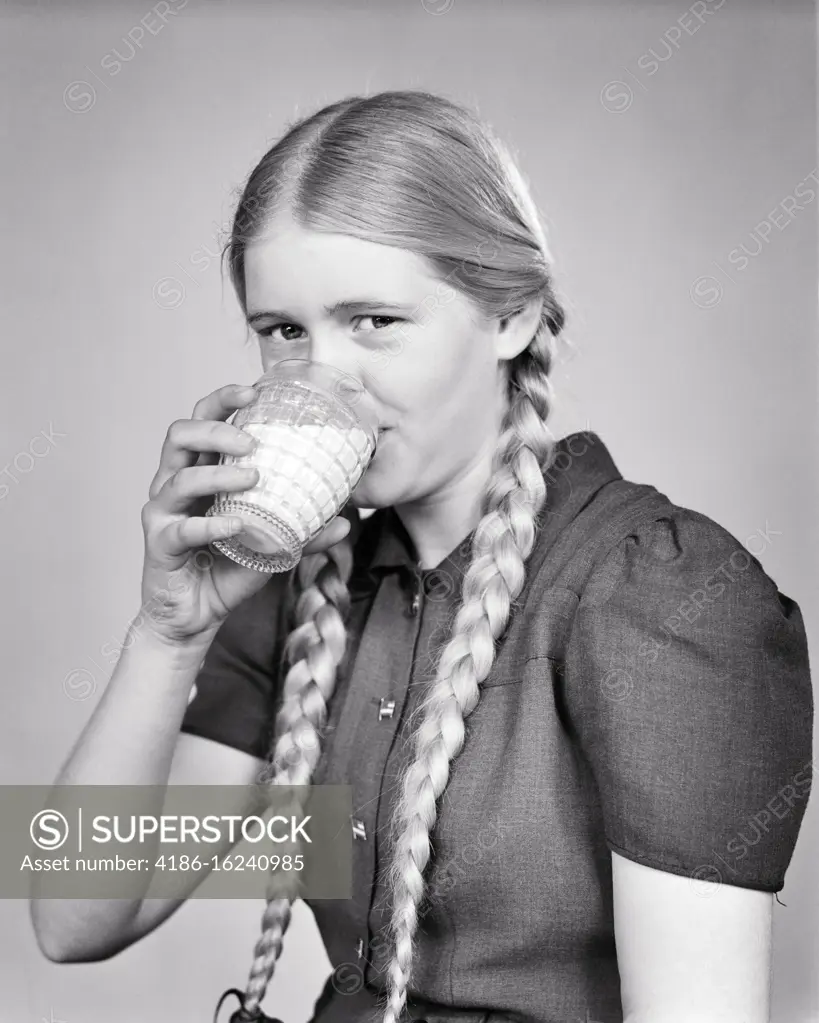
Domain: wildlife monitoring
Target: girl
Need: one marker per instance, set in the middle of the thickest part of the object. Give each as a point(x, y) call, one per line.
point(576, 718)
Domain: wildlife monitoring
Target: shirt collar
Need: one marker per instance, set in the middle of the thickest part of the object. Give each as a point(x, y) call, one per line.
point(580, 467)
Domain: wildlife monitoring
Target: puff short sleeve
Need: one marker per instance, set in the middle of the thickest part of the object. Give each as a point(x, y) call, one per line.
point(688, 692)
point(239, 682)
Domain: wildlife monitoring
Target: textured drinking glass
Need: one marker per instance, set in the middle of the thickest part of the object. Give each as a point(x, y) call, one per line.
point(316, 430)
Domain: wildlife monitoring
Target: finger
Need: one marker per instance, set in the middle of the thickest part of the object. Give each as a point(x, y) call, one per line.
point(184, 489)
point(219, 404)
point(181, 536)
point(329, 536)
point(216, 408)
point(186, 437)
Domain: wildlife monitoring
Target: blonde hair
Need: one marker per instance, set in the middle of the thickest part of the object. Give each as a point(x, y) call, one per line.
point(380, 168)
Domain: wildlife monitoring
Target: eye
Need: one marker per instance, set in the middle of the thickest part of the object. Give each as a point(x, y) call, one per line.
point(378, 323)
point(269, 331)
point(391, 319)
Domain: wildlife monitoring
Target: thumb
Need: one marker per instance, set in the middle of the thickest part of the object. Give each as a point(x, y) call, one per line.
point(338, 529)
point(330, 535)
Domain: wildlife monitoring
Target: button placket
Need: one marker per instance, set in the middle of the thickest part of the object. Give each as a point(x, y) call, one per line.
point(426, 619)
point(417, 591)
point(368, 721)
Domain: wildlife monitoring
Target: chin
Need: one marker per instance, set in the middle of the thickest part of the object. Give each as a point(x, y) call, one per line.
point(380, 488)
point(367, 496)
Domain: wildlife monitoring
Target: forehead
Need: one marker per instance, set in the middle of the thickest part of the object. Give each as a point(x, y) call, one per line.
point(291, 263)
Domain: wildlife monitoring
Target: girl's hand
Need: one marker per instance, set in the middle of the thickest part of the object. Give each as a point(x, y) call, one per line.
point(188, 589)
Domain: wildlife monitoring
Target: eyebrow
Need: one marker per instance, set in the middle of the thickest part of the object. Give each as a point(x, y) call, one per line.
point(357, 303)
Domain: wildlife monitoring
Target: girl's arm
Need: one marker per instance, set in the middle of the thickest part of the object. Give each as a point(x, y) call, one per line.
point(133, 738)
point(690, 950)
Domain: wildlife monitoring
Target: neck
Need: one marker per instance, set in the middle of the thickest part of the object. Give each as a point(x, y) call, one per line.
point(437, 524)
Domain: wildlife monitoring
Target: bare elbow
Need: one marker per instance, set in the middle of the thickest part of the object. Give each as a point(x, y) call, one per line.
point(59, 948)
point(44, 938)
point(51, 948)
point(57, 952)
point(53, 952)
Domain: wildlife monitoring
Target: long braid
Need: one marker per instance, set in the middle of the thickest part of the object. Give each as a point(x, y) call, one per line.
point(314, 649)
point(503, 540)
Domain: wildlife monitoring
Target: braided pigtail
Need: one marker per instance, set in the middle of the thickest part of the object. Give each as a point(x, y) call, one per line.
point(503, 540)
point(314, 649)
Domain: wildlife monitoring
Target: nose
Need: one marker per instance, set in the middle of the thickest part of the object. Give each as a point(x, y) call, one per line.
point(334, 349)
point(331, 348)
point(320, 345)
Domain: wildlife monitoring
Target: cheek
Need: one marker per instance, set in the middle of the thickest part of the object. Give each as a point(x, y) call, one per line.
point(403, 385)
point(413, 369)
point(440, 389)
point(422, 397)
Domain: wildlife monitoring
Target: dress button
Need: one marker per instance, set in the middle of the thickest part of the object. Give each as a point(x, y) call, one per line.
point(385, 708)
point(438, 584)
point(359, 831)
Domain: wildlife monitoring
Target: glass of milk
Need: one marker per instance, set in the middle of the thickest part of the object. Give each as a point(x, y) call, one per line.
point(316, 429)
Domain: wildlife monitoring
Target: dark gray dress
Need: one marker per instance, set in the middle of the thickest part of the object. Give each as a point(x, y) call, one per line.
point(651, 695)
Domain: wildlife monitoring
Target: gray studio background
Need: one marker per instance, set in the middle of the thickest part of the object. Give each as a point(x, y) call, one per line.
point(697, 366)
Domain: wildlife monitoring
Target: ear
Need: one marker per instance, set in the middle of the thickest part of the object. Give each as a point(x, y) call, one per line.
point(514, 331)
